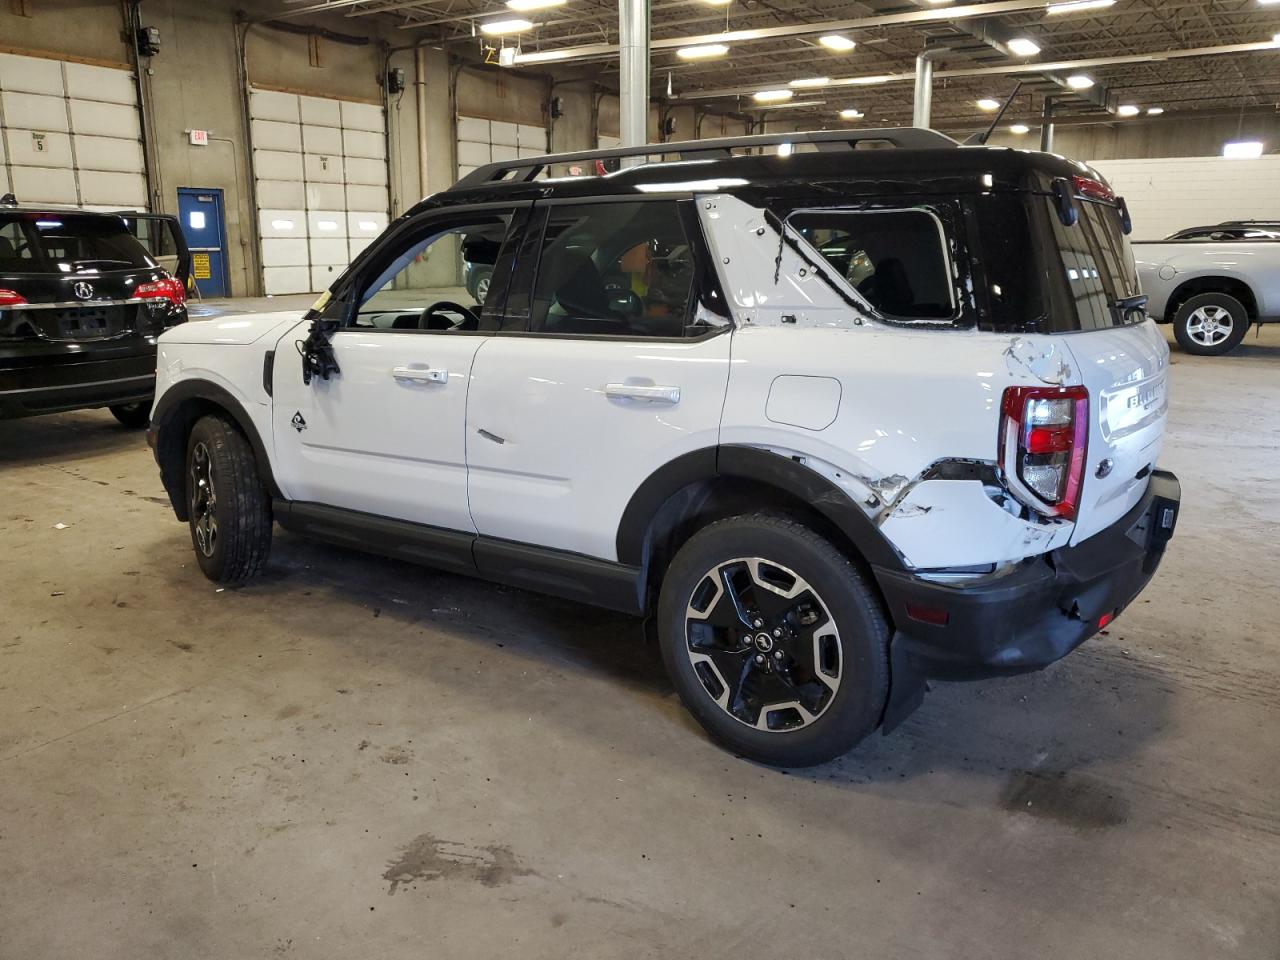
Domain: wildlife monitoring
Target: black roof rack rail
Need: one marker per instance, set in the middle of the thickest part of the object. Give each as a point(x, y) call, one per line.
point(907, 138)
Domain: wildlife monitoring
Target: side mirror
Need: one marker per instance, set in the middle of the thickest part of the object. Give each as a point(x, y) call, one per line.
point(1062, 195)
point(1126, 221)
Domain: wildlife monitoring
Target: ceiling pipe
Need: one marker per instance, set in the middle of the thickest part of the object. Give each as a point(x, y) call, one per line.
point(922, 107)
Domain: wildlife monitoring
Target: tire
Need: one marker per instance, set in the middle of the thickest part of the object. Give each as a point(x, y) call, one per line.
point(132, 415)
point(1210, 324)
point(229, 511)
point(793, 698)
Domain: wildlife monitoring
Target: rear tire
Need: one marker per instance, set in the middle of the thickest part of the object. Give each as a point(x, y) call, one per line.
point(132, 415)
point(1210, 324)
point(774, 641)
point(229, 510)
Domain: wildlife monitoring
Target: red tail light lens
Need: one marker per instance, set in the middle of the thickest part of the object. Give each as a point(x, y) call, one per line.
point(169, 288)
point(1044, 433)
point(1093, 189)
point(11, 298)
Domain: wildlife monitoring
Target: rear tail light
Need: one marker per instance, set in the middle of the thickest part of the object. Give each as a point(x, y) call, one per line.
point(1043, 435)
point(169, 288)
point(11, 298)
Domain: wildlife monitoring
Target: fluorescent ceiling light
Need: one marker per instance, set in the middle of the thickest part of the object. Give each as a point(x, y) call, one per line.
point(834, 41)
point(1019, 129)
point(870, 81)
point(704, 52)
point(1242, 149)
point(785, 149)
point(1078, 81)
point(1128, 110)
point(811, 82)
point(788, 106)
point(939, 3)
point(1076, 6)
point(771, 96)
point(498, 28)
point(851, 113)
point(717, 3)
point(523, 6)
point(986, 103)
point(1154, 111)
point(1023, 47)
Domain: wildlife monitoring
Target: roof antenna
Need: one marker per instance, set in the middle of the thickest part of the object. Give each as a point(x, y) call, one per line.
point(980, 139)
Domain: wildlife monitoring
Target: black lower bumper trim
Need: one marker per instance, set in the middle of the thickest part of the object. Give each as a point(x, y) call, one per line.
point(1040, 611)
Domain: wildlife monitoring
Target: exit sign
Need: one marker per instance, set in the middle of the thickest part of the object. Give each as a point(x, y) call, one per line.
point(199, 138)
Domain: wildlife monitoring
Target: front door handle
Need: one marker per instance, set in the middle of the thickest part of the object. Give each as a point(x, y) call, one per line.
point(650, 394)
point(420, 374)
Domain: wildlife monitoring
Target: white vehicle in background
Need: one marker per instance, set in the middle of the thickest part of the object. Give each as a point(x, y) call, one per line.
point(1212, 283)
point(834, 422)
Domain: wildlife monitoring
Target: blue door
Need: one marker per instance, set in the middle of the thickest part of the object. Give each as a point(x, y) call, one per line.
point(200, 212)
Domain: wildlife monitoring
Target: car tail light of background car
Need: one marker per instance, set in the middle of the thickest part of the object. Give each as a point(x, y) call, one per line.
point(169, 288)
point(11, 298)
point(1043, 435)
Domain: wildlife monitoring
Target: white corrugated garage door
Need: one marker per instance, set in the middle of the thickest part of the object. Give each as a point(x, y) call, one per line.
point(481, 141)
point(70, 134)
point(321, 171)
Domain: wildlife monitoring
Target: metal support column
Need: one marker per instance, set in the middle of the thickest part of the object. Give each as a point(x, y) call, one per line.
point(1046, 126)
point(922, 113)
point(633, 72)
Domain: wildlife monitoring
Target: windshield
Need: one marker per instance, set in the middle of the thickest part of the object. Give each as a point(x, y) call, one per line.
point(68, 243)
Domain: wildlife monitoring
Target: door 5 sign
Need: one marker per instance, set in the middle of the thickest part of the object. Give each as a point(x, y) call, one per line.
point(200, 266)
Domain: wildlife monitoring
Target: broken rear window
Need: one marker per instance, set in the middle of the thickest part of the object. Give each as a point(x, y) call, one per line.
point(895, 259)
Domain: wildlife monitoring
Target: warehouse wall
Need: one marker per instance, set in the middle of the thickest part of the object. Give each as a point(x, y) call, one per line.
point(1167, 136)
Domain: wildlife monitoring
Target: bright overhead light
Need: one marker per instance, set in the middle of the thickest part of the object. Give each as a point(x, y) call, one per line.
point(785, 149)
point(1154, 111)
point(1023, 47)
point(717, 3)
point(1128, 110)
point(1078, 81)
point(498, 28)
point(871, 81)
point(1019, 129)
point(811, 82)
point(522, 6)
point(1076, 6)
point(1242, 149)
point(771, 96)
point(704, 52)
point(986, 103)
point(851, 113)
point(940, 3)
point(834, 41)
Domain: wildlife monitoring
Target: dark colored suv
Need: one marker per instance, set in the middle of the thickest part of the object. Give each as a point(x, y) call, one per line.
point(81, 305)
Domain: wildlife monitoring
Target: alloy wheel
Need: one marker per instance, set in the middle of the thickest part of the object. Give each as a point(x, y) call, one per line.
point(1209, 325)
point(763, 644)
point(204, 500)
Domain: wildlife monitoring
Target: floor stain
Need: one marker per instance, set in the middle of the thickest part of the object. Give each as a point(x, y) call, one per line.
point(396, 755)
point(1067, 798)
point(427, 858)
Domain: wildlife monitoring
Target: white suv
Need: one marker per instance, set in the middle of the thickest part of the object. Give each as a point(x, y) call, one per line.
point(834, 422)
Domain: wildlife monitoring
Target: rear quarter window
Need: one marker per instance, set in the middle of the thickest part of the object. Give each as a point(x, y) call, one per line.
point(68, 243)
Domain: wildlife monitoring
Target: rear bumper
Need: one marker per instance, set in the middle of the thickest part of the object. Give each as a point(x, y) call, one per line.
point(73, 382)
point(1041, 611)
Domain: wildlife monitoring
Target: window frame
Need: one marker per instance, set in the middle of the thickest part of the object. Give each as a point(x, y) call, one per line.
point(815, 257)
point(344, 305)
point(705, 290)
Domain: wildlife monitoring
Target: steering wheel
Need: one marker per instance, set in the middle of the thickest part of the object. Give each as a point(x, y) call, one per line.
point(433, 318)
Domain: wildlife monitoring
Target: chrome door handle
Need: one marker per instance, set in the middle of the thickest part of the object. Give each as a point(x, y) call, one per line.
point(631, 391)
point(420, 374)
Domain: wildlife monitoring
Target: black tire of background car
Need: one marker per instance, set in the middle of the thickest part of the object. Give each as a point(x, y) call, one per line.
point(242, 508)
point(858, 704)
point(132, 415)
point(1239, 323)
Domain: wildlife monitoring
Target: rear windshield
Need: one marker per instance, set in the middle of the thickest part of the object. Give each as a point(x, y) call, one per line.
point(1045, 276)
point(68, 243)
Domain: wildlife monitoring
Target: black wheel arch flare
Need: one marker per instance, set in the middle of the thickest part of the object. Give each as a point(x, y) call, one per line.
point(177, 411)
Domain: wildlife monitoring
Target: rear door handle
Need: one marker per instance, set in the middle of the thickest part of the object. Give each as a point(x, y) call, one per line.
point(650, 394)
point(420, 374)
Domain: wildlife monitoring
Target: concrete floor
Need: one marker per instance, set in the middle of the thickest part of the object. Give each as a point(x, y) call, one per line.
point(358, 758)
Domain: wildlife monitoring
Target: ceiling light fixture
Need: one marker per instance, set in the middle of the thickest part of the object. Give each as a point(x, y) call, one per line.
point(717, 3)
point(500, 28)
point(838, 43)
point(871, 81)
point(1077, 6)
point(810, 82)
point(1128, 110)
point(1023, 47)
point(1078, 81)
point(705, 51)
point(986, 103)
point(1242, 149)
point(524, 6)
point(851, 113)
point(1019, 129)
point(1154, 111)
point(771, 96)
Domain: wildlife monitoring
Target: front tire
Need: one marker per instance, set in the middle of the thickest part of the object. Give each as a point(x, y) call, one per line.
point(229, 510)
point(132, 415)
point(774, 641)
point(1210, 324)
